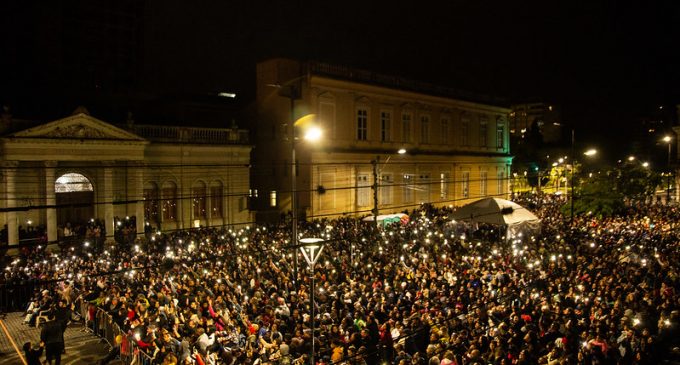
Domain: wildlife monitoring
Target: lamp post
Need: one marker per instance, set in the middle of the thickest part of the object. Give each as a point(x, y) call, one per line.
point(589, 153)
point(668, 140)
point(311, 249)
point(293, 92)
point(376, 184)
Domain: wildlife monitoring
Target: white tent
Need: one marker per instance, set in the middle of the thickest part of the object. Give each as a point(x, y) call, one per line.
point(495, 211)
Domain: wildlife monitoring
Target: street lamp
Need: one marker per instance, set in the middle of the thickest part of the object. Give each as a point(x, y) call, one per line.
point(589, 153)
point(311, 249)
point(293, 91)
point(376, 185)
point(668, 140)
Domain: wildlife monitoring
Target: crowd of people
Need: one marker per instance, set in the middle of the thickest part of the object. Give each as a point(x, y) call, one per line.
point(589, 291)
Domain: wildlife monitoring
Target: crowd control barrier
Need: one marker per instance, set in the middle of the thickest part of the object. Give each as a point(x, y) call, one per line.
point(102, 324)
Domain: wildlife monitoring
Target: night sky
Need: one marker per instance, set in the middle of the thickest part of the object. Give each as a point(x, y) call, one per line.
point(607, 63)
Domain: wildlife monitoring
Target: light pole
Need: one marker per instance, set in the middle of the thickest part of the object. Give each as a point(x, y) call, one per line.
point(311, 249)
point(589, 153)
point(293, 92)
point(376, 184)
point(668, 140)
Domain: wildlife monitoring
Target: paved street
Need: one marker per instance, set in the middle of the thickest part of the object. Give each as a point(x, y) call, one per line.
point(81, 347)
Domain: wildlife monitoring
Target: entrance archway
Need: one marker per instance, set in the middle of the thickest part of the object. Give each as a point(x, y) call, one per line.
point(75, 199)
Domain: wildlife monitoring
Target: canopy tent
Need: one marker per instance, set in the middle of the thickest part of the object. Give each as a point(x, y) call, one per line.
point(500, 212)
point(387, 219)
point(495, 211)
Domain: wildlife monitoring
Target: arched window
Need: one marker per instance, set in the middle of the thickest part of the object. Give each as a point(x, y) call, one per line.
point(198, 193)
point(216, 198)
point(169, 201)
point(71, 183)
point(151, 202)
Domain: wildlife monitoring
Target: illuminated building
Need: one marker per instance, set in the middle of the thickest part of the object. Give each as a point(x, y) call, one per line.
point(457, 146)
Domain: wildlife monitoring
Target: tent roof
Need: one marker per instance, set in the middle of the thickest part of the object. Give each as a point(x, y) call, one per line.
point(494, 211)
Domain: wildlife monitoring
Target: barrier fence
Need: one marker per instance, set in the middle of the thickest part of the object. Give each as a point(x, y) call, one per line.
point(14, 296)
point(102, 325)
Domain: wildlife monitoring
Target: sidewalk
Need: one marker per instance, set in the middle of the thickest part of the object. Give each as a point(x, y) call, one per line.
point(81, 347)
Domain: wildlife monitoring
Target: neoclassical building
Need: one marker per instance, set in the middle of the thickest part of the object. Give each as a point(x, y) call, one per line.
point(456, 144)
point(80, 168)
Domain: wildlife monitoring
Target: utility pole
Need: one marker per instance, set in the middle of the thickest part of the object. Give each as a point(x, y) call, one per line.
point(573, 165)
point(293, 94)
point(375, 190)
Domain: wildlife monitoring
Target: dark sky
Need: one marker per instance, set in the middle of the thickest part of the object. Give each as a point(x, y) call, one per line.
point(607, 63)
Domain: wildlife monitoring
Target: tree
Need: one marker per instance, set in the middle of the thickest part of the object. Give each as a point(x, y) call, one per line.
point(636, 182)
point(605, 194)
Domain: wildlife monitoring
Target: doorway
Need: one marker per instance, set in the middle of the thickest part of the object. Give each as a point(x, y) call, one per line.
point(75, 199)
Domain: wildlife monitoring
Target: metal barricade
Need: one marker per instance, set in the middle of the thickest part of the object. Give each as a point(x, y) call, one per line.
point(103, 325)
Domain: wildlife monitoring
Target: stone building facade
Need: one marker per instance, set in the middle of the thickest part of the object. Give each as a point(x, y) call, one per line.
point(456, 151)
point(80, 168)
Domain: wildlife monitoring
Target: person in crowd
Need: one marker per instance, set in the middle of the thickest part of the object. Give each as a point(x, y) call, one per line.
point(52, 335)
point(33, 354)
point(593, 291)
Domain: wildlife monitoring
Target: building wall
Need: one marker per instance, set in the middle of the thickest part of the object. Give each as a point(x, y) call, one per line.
point(120, 166)
point(547, 117)
point(336, 174)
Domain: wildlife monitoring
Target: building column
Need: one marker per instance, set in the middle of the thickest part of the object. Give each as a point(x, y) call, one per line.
point(108, 201)
point(139, 198)
point(11, 204)
point(208, 206)
point(185, 207)
point(50, 201)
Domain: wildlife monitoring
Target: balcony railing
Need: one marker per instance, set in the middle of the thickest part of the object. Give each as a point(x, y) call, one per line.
point(192, 135)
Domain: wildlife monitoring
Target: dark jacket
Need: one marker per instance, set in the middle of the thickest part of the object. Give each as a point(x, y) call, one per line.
point(33, 356)
point(52, 333)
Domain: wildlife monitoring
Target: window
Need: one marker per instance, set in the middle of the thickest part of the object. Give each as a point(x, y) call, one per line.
point(169, 202)
point(500, 136)
point(406, 127)
point(386, 189)
point(445, 131)
point(151, 203)
point(385, 126)
point(272, 198)
point(72, 182)
point(483, 133)
point(216, 198)
point(464, 131)
point(425, 129)
point(483, 177)
point(407, 183)
point(424, 187)
point(362, 124)
point(363, 191)
point(198, 201)
point(444, 186)
point(465, 184)
point(499, 182)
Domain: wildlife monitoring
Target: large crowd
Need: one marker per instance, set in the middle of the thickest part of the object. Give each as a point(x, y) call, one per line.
point(430, 291)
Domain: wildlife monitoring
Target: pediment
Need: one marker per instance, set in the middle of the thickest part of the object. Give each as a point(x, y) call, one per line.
point(79, 126)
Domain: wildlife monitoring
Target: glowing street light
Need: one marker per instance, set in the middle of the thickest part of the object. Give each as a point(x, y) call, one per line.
point(668, 140)
point(590, 152)
point(376, 184)
point(313, 134)
point(311, 249)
